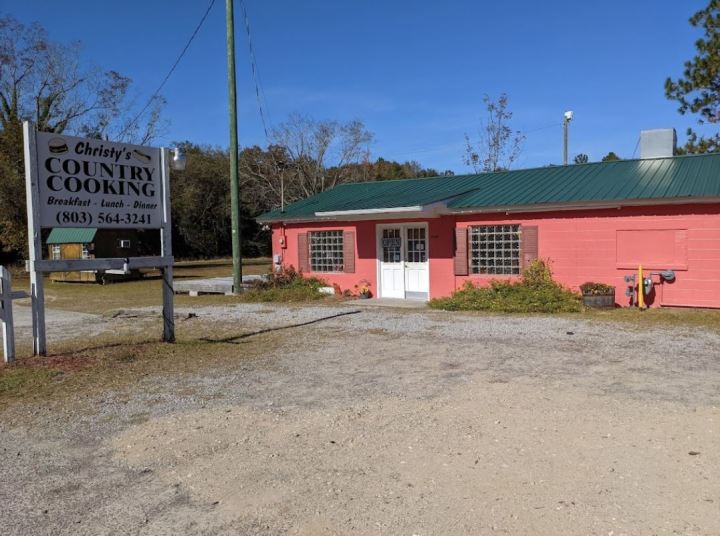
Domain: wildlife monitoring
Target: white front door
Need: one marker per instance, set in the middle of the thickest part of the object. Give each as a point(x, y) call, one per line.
point(403, 261)
point(417, 282)
point(392, 275)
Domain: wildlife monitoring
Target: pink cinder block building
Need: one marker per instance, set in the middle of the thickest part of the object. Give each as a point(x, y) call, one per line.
point(424, 238)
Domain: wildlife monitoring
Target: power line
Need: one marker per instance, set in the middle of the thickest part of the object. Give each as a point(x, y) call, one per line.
point(542, 128)
point(255, 72)
point(172, 69)
point(450, 146)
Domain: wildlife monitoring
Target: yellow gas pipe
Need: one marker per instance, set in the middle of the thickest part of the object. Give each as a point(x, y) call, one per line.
point(641, 288)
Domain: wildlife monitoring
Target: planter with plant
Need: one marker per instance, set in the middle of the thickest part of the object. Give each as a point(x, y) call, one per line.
point(363, 289)
point(598, 295)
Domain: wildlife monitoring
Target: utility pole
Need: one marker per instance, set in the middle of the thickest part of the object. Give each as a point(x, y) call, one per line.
point(234, 183)
point(567, 117)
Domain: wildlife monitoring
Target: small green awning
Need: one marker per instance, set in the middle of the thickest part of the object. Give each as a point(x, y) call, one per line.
point(71, 235)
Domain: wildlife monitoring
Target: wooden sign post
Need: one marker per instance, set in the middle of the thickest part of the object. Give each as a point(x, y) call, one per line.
point(6, 313)
point(89, 183)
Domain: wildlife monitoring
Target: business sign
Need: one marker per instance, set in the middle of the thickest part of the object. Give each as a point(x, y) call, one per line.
point(79, 182)
point(392, 242)
point(94, 183)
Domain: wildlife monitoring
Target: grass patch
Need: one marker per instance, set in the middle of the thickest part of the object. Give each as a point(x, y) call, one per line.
point(21, 381)
point(659, 317)
point(287, 287)
point(147, 292)
point(535, 292)
point(81, 371)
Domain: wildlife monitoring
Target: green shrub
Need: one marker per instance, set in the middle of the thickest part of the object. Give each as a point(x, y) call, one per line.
point(535, 292)
point(287, 285)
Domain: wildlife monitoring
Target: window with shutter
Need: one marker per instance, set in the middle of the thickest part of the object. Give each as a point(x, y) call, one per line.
point(327, 251)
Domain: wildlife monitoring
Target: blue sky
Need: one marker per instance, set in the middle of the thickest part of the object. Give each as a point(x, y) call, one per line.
point(414, 71)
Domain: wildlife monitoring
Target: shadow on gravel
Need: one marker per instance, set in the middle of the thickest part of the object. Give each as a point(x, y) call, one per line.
point(95, 348)
point(235, 338)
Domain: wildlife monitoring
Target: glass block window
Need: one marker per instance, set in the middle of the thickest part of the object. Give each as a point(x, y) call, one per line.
point(391, 245)
point(416, 245)
point(495, 249)
point(326, 251)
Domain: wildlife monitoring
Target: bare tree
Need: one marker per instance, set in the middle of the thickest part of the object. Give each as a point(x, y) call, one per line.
point(321, 152)
point(497, 146)
point(46, 82)
point(265, 173)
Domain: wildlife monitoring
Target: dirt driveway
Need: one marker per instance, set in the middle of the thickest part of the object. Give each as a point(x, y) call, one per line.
point(385, 422)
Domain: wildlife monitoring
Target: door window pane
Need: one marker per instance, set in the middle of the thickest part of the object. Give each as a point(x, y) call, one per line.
point(391, 245)
point(416, 245)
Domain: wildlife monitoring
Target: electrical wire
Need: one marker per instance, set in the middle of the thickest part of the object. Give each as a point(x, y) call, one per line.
point(255, 73)
point(542, 128)
point(450, 146)
point(172, 69)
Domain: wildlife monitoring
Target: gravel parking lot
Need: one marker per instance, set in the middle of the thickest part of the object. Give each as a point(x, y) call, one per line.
point(382, 421)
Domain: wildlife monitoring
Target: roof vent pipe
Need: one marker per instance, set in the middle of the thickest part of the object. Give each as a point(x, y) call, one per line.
point(657, 143)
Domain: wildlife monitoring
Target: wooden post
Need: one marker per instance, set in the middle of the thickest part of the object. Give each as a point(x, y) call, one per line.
point(236, 230)
point(6, 316)
point(32, 192)
point(168, 311)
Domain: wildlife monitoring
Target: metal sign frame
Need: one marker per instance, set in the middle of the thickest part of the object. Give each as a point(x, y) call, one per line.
point(38, 267)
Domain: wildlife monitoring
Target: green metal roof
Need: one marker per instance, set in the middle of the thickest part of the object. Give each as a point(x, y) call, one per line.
point(71, 235)
point(376, 195)
point(657, 179)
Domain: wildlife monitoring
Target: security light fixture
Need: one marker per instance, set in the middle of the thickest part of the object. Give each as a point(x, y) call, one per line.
point(178, 159)
point(567, 117)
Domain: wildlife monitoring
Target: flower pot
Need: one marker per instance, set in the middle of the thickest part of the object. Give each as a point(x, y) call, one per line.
point(599, 301)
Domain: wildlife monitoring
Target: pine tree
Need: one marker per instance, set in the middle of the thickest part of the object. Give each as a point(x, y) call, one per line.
point(581, 158)
point(610, 157)
point(698, 91)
